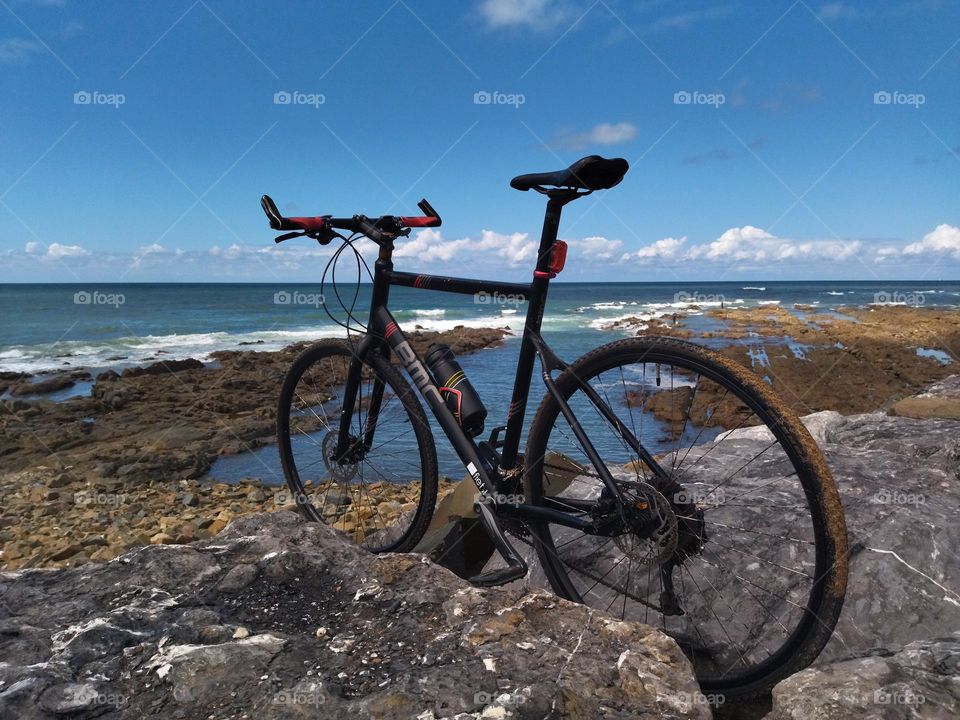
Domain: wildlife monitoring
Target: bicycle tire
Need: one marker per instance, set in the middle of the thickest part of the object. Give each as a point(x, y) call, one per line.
point(395, 541)
point(826, 596)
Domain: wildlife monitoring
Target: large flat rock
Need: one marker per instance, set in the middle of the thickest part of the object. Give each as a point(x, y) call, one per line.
point(277, 618)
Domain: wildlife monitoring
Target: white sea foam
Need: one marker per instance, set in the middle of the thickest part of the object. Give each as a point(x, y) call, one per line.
point(121, 352)
point(432, 312)
point(752, 287)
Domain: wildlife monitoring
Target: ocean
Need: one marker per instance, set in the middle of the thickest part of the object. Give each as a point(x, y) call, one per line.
point(58, 327)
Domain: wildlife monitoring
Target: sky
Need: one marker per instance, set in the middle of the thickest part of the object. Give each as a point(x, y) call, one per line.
point(767, 140)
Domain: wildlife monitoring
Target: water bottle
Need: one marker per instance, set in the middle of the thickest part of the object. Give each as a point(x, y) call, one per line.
point(456, 390)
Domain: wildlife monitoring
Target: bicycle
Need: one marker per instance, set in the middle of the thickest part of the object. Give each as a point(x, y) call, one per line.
point(635, 520)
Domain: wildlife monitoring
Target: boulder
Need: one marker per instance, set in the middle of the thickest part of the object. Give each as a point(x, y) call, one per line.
point(278, 618)
point(920, 681)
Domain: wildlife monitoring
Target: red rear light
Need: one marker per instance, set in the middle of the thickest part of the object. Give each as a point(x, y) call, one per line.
point(558, 256)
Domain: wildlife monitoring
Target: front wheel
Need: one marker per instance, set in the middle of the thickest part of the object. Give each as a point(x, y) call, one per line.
point(382, 492)
point(746, 566)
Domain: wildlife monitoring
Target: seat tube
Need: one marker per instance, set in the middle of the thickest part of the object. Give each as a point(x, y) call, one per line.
point(537, 303)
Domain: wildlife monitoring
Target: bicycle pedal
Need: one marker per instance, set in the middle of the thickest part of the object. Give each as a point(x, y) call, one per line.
point(516, 566)
point(500, 576)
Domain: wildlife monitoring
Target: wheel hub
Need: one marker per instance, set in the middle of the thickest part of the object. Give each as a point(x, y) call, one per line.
point(645, 546)
point(340, 472)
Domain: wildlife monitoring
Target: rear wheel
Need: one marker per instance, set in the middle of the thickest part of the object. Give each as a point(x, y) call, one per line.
point(746, 567)
point(382, 496)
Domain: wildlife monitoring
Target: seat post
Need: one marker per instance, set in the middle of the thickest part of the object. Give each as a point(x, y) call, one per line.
point(551, 223)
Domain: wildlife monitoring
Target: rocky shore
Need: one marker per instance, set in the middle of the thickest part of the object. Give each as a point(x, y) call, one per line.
point(89, 477)
point(277, 618)
point(851, 361)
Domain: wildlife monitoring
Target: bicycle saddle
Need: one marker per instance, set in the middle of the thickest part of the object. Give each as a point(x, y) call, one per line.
point(590, 173)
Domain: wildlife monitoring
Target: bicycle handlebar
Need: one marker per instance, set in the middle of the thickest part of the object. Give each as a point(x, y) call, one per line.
point(321, 227)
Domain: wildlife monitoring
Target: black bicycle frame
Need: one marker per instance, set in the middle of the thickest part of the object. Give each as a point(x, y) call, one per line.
point(384, 335)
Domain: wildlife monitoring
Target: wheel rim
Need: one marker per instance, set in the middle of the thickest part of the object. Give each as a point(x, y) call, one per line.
point(764, 548)
point(375, 496)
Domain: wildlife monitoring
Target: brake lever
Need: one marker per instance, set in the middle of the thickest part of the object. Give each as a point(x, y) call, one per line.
point(288, 236)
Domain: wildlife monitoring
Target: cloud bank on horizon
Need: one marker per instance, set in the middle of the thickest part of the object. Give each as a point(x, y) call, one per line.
point(738, 252)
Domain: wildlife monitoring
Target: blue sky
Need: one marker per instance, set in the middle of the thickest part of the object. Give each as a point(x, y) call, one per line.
point(768, 139)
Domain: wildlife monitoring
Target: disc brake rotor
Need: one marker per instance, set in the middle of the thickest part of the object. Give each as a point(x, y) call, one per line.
point(342, 473)
point(657, 548)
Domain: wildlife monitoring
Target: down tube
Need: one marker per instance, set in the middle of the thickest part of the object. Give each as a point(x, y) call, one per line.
point(414, 366)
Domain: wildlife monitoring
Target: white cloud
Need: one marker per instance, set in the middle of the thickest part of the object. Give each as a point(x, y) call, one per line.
point(753, 244)
point(665, 249)
point(683, 20)
point(56, 250)
point(429, 245)
point(943, 239)
point(598, 249)
point(535, 14)
point(32, 247)
point(602, 134)
point(16, 50)
point(837, 11)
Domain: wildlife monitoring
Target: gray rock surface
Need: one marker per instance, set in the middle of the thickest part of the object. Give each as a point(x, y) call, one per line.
point(920, 681)
point(276, 618)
